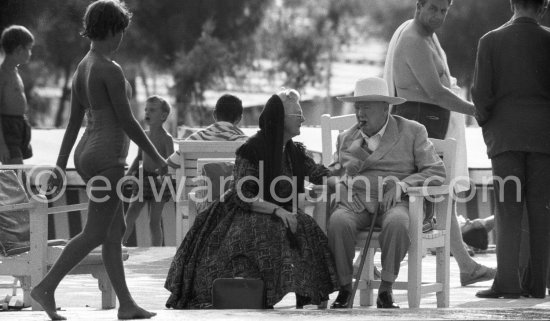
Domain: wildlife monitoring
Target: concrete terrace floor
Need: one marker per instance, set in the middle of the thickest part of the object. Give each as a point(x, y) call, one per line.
point(79, 298)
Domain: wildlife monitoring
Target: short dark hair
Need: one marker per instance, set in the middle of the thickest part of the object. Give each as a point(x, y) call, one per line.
point(15, 36)
point(228, 108)
point(533, 4)
point(105, 16)
point(423, 2)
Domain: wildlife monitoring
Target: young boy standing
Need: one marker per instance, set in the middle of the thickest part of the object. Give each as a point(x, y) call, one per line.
point(15, 130)
point(157, 110)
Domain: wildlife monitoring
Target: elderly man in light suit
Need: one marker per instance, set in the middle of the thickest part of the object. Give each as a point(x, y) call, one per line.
point(378, 159)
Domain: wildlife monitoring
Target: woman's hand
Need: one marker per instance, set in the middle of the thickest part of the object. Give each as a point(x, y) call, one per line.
point(289, 219)
point(56, 181)
point(171, 164)
point(162, 167)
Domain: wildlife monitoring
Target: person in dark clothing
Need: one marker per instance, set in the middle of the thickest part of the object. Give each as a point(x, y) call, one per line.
point(511, 93)
point(256, 230)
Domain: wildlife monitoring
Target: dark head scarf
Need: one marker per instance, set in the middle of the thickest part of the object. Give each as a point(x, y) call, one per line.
point(267, 146)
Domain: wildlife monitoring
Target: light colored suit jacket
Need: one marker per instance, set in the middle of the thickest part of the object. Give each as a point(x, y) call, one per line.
point(404, 153)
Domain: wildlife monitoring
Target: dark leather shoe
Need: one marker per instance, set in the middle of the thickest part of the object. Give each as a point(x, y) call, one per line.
point(342, 300)
point(301, 301)
point(529, 294)
point(492, 294)
point(385, 301)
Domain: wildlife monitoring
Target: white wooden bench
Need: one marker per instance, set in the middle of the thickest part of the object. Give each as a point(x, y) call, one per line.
point(30, 267)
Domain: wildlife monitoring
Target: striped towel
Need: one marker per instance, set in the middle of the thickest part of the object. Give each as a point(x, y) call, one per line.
point(219, 131)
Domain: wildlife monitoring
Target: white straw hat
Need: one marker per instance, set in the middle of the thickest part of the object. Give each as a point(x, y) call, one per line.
point(372, 89)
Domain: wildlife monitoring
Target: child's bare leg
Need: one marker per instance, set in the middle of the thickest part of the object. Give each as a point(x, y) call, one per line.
point(93, 235)
point(112, 258)
point(132, 214)
point(155, 219)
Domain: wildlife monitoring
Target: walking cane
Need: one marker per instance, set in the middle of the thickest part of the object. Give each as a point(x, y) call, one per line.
point(362, 263)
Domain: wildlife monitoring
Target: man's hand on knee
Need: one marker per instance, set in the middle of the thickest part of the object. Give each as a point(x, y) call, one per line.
point(392, 196)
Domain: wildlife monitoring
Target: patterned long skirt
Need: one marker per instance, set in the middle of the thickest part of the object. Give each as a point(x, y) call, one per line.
point(230, 241)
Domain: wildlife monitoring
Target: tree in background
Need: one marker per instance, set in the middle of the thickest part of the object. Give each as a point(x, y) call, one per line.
point(466, 22)
point(163, 35)
point(198, 70)
point(60, 26)
point(303, 37)
point(216, 42)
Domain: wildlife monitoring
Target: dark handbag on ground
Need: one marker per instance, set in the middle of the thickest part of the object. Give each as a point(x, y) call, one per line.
point(238, 293)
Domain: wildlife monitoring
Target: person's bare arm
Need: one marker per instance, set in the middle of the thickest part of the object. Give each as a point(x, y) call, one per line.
point(116, 88)
point(69, 138)
point(169, 145)
point(4, 151)
point(71, 133)
point(422, 65)
point(135, 164)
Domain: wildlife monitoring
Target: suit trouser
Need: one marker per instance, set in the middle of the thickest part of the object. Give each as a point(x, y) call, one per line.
point(394, 239)
point(532, 171)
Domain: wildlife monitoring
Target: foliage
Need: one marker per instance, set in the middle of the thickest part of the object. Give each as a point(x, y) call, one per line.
point(302, 37)
point(385, 16)
point(466, 22)
point(21, 12)
point(64, 46)
point(198, 70)
point(172, 27)
point(203, 43)
point(216, 41)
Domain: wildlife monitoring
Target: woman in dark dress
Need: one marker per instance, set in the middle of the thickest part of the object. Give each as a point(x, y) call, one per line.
point(256, 234)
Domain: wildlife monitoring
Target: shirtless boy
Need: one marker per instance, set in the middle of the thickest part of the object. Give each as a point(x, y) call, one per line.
point(157, 110)
point(15, 130)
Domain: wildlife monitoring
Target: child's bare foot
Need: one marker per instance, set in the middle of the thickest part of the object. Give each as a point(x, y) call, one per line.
point(47, 301)
point(134, 312)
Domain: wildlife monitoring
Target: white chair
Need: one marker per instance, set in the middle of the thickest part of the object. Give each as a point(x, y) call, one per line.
point(189, 153)
point(439, 238)
point(330, 127)
point(31, 267)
